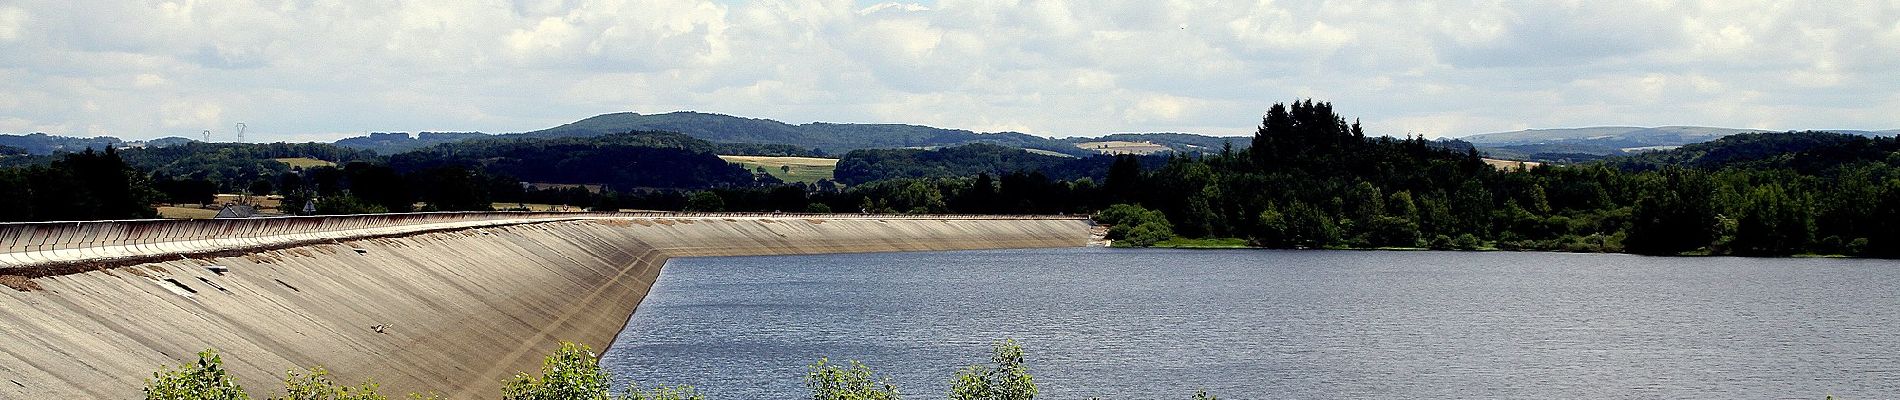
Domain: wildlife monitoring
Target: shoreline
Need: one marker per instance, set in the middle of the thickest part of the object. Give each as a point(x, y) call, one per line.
point(1240, 244)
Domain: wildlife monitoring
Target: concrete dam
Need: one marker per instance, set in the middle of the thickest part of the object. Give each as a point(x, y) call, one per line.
point(451, 303)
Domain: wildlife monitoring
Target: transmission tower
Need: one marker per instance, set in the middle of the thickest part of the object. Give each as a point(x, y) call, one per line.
point(240, 133)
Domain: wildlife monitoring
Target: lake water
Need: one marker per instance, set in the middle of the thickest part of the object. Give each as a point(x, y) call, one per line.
point(1248, 324)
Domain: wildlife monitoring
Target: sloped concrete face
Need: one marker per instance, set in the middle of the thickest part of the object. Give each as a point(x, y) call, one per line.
point(459, 309)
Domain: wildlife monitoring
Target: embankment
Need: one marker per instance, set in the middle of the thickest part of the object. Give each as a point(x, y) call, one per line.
point(466, 299)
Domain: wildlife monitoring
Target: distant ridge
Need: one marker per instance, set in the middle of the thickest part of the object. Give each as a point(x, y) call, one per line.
point(1574, 144)
point(41, 143)
point(825, 137)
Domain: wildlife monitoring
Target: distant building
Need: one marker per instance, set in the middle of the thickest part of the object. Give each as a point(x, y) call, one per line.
point(237, 211)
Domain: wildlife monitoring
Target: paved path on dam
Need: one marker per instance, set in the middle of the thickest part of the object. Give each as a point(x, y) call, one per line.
point(464, 300)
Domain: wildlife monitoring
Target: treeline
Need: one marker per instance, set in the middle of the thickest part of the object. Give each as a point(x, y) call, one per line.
point(629, 161)
point(1313, 180)
point(573, 373)
point(863, 166)
point(88, 185)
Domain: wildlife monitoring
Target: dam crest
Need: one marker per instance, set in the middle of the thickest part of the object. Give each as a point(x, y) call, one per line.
point(450, 303)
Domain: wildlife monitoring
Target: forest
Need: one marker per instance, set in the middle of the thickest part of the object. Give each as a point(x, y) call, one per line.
point(1307, 178)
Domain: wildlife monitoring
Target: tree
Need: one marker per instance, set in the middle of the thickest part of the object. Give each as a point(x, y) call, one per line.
point(453, 188)
point(705, 202)
point(1124, 179)
point(259, 187)
point(379, 185)
point(347, 205)
point(1773, 223)
point(1005, 379)
point(1388, 231)
point(1309, 227)
point(1673, 215)
point(316, 385)
point(573, 373)
point(1133, 226)
point(829, 381)
point(205, 380)
point(1364, 202)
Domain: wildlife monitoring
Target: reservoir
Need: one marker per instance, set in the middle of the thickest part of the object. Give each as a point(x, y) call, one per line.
point(1152, 324)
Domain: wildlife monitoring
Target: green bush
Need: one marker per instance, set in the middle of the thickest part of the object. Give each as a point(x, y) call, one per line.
point(1128, 214)
point(205, 380)
point(1467, 242)
point(1144, 235)
point(1133, 226)
point(1006, 379)
point(829, 381)
point(705, 202)
point(317, 386)
point(573, 373)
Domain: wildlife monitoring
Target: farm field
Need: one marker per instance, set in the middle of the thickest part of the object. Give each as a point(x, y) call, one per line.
point(1115, 147)
point(1511, 165)
point(305, 162)
point(185, 212)
point(803, 169)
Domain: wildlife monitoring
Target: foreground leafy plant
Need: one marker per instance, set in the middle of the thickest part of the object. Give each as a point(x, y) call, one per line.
point(205, 380)
point(829, 381)
point(1006, 379)
point(317, 386)
point(573, 373)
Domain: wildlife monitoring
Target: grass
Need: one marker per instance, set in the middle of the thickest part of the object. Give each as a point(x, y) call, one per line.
point(803, 169)
point(1122, 147)
point(1511, 165)
point(305, 162)
point(185, 212)
point(1215, 243)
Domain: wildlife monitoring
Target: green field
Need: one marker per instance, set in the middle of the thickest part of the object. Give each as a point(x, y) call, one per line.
point(303, 162)
point(803, 169)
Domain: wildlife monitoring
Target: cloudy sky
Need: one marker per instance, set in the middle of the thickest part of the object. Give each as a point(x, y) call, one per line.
point(324, 69)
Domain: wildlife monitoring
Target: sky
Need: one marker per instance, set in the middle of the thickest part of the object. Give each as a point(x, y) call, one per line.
point(299, 70)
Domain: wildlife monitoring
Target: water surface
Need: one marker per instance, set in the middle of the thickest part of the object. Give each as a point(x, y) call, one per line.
point(1248, 324)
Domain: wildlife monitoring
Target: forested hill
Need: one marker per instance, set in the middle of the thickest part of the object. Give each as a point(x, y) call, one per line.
point(756, 136)
point(828, 137)
point(623, 161)
point(864, 166)
point(1809, 152)
point(1577, 144)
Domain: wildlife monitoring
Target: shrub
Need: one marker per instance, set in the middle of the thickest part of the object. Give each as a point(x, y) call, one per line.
point(205, 380)
point(573, 373)
point(1006, 379)
point(829, 381)
point(1144, 235)
point(1467, 242)
point(318, 386)
point(1127, 214)
point(1134, 226)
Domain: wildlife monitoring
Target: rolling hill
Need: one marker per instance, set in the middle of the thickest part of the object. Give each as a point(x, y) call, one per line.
point(823, 137)
point(1577, 144)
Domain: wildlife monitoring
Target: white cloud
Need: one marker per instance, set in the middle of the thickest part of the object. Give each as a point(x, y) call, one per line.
point(12, 23)
point(293, 70)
